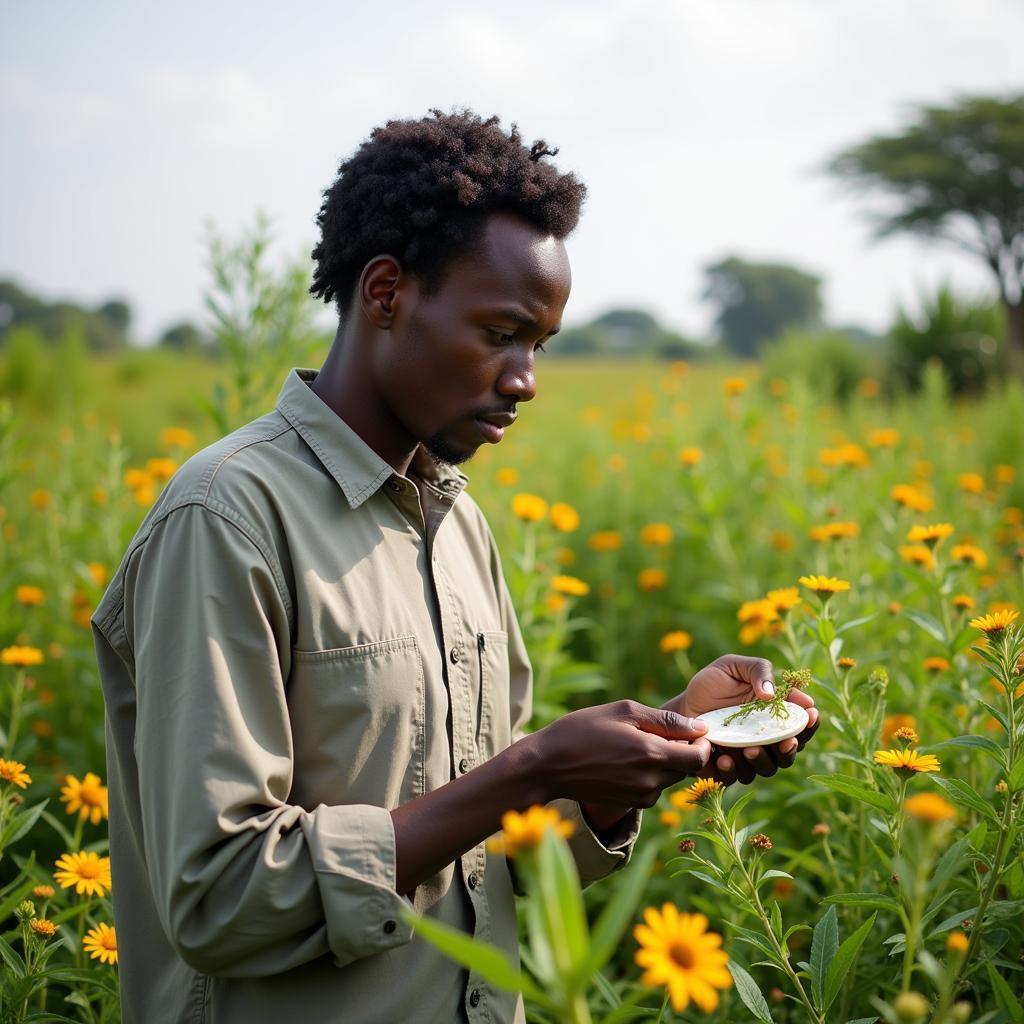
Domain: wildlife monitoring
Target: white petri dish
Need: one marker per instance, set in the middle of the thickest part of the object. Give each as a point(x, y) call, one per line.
point(757, 729)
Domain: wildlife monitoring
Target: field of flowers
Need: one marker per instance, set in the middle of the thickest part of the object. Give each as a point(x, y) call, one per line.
point(651, 517)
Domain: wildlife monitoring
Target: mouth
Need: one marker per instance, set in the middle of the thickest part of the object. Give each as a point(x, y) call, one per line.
point(493, 424)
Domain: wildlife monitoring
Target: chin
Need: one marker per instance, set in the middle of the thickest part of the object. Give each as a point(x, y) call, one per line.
point(442, 450)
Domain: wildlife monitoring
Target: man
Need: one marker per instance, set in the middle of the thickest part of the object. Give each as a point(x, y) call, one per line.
point(317, 691)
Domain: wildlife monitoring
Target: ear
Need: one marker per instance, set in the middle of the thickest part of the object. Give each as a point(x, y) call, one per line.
point(378, 289)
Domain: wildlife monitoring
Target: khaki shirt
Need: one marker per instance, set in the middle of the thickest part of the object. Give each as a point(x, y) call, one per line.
point(297, 640)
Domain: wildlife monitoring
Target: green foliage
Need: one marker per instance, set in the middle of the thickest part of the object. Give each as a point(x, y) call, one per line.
point(828, 362)
point(964, 338)
point(102, 330)
point(757, 301)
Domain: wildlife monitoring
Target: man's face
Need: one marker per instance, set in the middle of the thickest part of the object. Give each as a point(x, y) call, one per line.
point(458, 362)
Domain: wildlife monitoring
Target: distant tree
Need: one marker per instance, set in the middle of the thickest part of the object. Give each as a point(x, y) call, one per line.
point(184, 337)
point(118, 313)
point(955, 173)
point(757, 301)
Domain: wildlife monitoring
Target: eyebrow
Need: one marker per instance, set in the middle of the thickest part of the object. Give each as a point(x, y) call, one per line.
point(523, 319)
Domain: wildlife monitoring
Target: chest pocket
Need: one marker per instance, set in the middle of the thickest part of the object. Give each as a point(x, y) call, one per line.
point(357, 718)
point(493, 725)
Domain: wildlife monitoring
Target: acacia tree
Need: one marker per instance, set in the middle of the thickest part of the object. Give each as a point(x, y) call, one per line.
point(956, 174)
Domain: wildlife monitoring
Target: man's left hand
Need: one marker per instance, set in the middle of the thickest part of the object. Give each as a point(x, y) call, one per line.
point(736, 679)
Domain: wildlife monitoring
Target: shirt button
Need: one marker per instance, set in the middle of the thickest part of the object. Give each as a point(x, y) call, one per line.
point(474, 879)
point(454, 655)
point(474, 997)
point(464, 766)
point(389, 926)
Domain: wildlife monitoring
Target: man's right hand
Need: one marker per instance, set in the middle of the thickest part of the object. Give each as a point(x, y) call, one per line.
point(621, 754)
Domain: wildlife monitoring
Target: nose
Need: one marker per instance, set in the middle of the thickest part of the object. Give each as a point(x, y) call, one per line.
point(517, 379)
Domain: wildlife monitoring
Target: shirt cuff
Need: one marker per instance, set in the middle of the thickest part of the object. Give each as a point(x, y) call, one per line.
point(596, 859)
point(353, 852)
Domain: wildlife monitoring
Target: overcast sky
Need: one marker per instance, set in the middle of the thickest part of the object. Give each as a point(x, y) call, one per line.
point(699, 126)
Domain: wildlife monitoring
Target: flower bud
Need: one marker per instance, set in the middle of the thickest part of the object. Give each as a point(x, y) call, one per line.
point(910, 1007)
point(687, 846)
point(25, 910)
point(961, 1012)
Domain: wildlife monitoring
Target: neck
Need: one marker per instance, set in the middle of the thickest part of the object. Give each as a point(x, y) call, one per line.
point(344, 384)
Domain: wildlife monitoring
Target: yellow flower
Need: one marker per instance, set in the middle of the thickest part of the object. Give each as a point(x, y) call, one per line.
point(677, 951)
point(971, 483)
point(605, 540)
point(735, 386)
point(671, 819)
point(43, 892)
point(564, 517)
point(683, 800)
point(14, 773)
point(996, 622)
point(824, 584)
point(40, 498)
point(43, 927)
point(905, 734)
point(964, 602)
point(529, 507)
point(970, 554)
point(883, 437)
point(161, 469)
point(144, 496)
point(702, 787)
point(846, 662)
point(101, 943)
point(677, 640)
point(570, 585)
point(911, 497)
point(88, 797)
point(690, 456)
point(507, 476)
point(27, 594)
point(929, 807)
point(930, 535)
point(908, 761)
point(869, 387)
point(782, 541)
point(893, 723)
point(136, 479)
point(845, 455)
point(22, 656)
point(656, 534)
point(833, 531)
point(957, 942)
point(652, 579)
point(87, 872)
point(1004, 474)
point(918, 554)
point(177, 437)
point(99, 495)
point(525, 831)
point(784, 598)
point(554, 602)
point(616, 463)
point(935, 663)
point(98, 572)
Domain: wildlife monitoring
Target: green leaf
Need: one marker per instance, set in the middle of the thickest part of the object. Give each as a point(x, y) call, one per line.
point(755, 939)
point(1016, 780)
point(854, 623)
point(960, 793)
point(826, 631)
point(856, 789)
point(747, 990)
point(864, 899)
point(618, 912)
point(949, 863)
point(737, 808)
point(843, 962)
point(12, 958)
point(488, 961)
point(979, 742)
point(560, 892)
point(1005, 998)
point(997, 714)
point(824, 943)
point(931, 626)
point(963, 639)
point(21, 823)
point(953, 921)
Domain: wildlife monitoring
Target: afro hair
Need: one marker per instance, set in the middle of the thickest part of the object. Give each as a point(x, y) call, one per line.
point(421, 191)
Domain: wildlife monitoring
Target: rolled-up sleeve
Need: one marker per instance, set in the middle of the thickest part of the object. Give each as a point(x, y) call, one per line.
point(245, 883)
point(594, 859)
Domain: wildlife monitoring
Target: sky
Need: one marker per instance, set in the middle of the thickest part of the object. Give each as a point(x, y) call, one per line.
point(700, 128)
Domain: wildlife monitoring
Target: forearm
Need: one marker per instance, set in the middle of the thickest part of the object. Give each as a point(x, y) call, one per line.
point(436, 828)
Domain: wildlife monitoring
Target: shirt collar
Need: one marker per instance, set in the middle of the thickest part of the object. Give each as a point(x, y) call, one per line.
point(357, 468)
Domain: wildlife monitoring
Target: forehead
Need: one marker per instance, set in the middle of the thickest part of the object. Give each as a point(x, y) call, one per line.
point(513, 261)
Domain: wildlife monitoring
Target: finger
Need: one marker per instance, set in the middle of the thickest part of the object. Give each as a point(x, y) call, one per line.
point(805, 700)
point(687, 758)
point(755, 671)
point(668, 724)
point(761, 761)
point(813, 721)
point(741, 768)
point(786, 752)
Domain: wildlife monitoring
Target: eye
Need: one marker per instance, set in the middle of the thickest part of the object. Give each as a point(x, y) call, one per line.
point(503, 339)
point(540, 347)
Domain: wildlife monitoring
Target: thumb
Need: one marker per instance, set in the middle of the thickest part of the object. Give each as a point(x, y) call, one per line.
point(764, 688)
point(670, 725)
